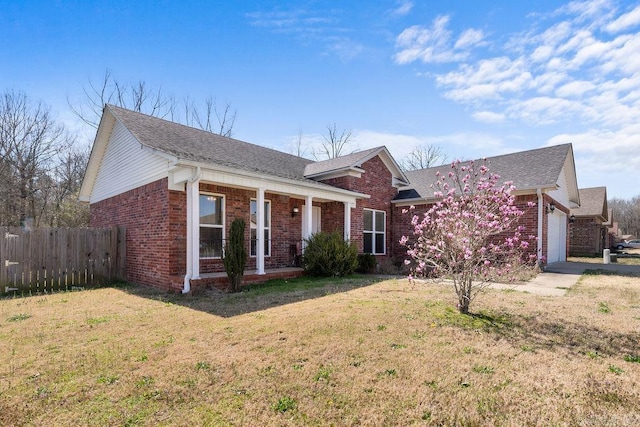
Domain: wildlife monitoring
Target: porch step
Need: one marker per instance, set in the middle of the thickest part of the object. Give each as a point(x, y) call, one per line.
point(221, 281)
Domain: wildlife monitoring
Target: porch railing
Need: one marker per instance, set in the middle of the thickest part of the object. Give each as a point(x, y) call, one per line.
point(278, 252)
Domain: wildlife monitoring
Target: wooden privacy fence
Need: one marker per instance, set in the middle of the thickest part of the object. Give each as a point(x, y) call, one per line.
point(52, 259)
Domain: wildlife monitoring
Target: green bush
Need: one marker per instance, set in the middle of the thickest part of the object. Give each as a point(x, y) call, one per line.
point(327, 254)
point(235, 255)
point(367, 263)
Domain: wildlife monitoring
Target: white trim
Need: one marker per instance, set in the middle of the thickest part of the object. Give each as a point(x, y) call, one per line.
point(540, 230)
point(260, 231)
point(374, 232)
point(271, 184)
point(223, 226)
point(347, 221)
point(308, 212)
point(266, 201)
point(193, 233)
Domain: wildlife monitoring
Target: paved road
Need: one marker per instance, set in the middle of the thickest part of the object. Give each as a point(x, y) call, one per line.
point(560, 276)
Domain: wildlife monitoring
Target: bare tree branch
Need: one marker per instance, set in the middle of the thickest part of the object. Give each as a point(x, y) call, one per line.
point(30, 141)
point(422, 157)
point(334, 143)
point(155, 102)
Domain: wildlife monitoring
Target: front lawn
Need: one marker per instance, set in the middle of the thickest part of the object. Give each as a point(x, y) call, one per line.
point(342, 352)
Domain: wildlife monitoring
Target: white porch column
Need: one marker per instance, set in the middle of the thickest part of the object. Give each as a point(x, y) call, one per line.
point(308, 212)
point(347, 221)
point(260, 231)
point(193, 232)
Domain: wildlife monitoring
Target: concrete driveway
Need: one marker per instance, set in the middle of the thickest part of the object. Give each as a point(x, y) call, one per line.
point(560, 276)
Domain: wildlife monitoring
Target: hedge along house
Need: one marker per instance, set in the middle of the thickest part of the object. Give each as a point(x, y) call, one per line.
point(545, 176)
point(177, 189)
point(589, 233)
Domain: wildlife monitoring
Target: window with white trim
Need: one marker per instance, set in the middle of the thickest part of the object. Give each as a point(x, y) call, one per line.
point(374, 231)
point(211, 225)
point(254, 227)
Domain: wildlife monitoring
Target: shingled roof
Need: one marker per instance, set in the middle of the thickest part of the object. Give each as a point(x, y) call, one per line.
point(339, 163)
point(190, 144)
point(528, 170)
point(593, 203)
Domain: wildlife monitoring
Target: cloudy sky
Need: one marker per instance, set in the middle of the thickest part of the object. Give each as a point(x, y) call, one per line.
point(474, 78)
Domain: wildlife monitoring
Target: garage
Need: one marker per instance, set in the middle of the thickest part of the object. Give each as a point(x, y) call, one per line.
point(556, 237)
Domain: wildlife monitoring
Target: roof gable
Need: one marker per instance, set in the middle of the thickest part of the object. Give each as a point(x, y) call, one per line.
point(593, 203)
point(185, 143)
point(528, 170)
point(353, 162)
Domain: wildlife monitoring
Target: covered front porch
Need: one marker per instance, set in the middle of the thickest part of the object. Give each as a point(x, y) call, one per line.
point(220, 281)
point(279, 217)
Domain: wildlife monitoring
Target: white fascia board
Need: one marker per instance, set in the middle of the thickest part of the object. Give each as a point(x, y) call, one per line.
point(98, 149)
point(431, 200)
point(231, 177)
point(336, 173)
point(413, 202)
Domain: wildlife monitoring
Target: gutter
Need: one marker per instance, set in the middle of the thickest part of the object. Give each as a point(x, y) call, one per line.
point(540, 207)
point(190, 255)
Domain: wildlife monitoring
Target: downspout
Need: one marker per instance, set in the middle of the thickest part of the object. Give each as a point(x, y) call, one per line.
point(190, 227)
point(540, 212)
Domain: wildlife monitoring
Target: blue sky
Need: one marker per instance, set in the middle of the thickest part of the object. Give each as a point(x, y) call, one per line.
point(475, 78)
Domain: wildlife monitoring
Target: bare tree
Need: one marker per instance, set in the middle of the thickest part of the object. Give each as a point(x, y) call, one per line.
point(225, 118)
point(63, 207)
point(137, 97)
point(627, 214)
point(334, 144)
point(298, 147)
point(30, 140)
point(422, 157)
point(153, 101)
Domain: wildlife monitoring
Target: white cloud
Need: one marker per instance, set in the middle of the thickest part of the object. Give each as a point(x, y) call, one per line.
point(464, 145)
point(311, 26)
point(559, 70)
point(625, 21)
point(469, 38)
point(574, 89)
point(488, 117)
point(403, 8)
point(433, 44)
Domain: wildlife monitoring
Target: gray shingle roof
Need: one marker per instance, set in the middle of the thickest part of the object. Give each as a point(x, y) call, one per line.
point(187, 143)
point(528, 170)
point(339, 163)
point(593, 202)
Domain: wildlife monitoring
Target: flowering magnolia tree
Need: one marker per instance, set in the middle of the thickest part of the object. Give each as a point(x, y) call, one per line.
point(471, 235)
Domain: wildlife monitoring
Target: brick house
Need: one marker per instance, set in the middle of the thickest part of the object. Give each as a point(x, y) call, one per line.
point(177, 189)
point(545, 176)
point(589, 231)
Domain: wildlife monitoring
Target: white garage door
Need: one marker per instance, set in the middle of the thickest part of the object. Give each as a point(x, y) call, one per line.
point(557, 237)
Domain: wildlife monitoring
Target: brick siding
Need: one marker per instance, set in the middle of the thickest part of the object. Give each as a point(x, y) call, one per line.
point(375, 181)
point(586, 237)
point(154, 231)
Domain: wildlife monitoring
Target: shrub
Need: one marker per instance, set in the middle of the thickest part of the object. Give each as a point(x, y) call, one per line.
point(367, 263)
point(327, 254)
point(235, 255)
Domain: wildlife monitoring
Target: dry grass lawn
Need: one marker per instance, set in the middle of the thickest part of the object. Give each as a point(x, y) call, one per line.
point(352, 353)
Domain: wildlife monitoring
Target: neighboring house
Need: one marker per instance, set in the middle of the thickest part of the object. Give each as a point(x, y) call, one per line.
point(545, 176)
point(177, 189)
point(589, 231)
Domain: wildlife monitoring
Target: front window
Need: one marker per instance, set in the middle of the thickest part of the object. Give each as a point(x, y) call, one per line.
point(211, 225)
point(374, 232)
point(254, 227)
